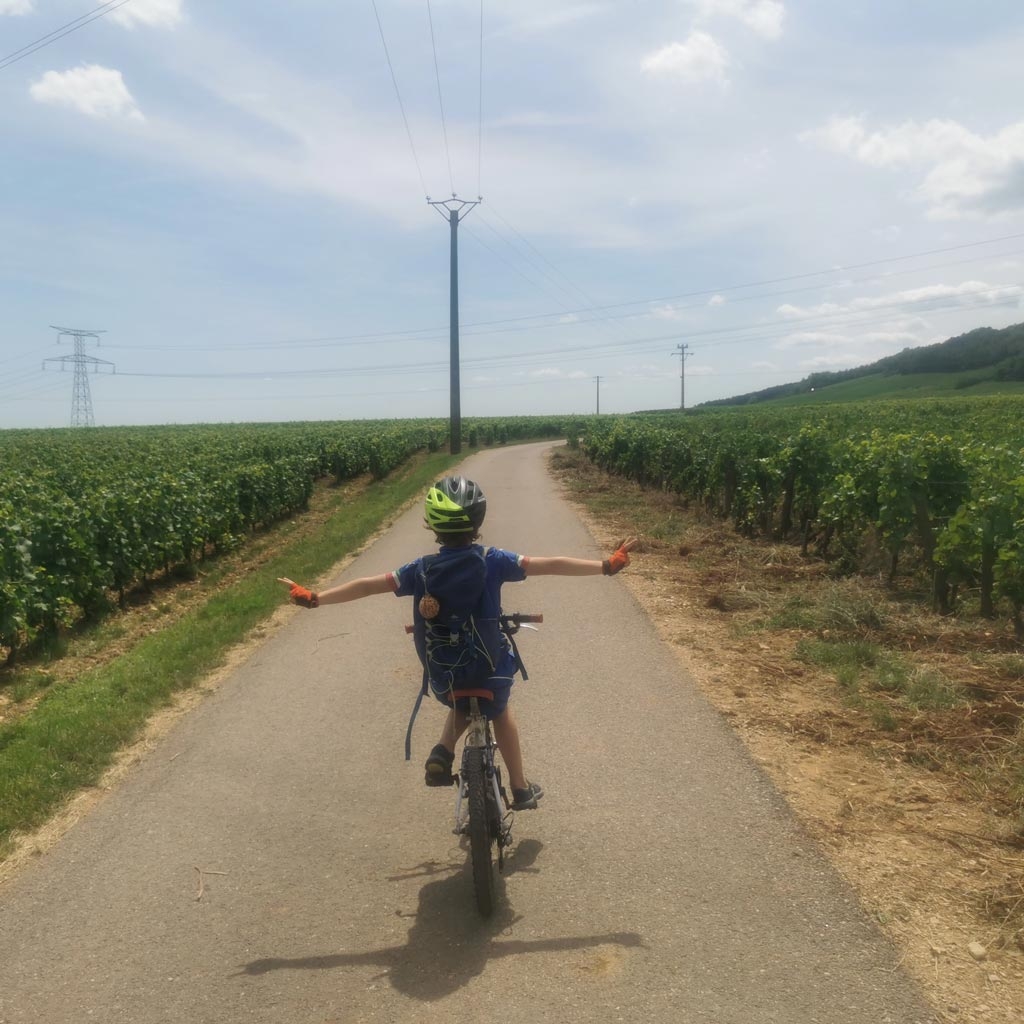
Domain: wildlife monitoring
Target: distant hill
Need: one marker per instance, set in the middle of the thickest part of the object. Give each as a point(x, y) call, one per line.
point(983, 361)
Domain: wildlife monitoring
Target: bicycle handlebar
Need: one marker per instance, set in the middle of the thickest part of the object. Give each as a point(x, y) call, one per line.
point(509, 623)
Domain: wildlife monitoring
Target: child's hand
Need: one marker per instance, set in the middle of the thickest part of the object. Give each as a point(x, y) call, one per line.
point(300, 595)
point(620, 557)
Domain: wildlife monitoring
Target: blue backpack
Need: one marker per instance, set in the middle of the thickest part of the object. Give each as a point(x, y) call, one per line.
point(458, 644)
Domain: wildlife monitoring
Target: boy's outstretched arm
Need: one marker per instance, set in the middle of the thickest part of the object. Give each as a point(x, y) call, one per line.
point(562, 565)
point(365, 586)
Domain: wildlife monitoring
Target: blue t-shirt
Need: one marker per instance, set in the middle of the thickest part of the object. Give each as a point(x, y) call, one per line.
point(502, 567)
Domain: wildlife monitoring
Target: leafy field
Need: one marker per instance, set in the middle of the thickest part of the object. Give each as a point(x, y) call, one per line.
point(894, 387)
point(932, 488)
point(85, 515)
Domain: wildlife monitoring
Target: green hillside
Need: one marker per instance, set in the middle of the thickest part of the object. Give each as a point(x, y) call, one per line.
point(986, 361)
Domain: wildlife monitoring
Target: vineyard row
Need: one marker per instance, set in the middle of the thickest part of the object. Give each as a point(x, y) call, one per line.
point(87, 514)
point(939, 484)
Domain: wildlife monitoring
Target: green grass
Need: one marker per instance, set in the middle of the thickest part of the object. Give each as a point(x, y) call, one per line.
point(842, 608)
point(910, 385)
point(860, 665)
point(76, 729)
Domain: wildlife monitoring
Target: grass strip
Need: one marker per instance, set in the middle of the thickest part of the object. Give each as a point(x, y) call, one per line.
point(73, 734)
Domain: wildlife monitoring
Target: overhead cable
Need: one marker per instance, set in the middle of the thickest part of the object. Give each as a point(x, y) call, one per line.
point(60, 33)
point(398, 95)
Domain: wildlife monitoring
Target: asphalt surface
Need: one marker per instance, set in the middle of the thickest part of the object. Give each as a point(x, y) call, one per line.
point(662, 879)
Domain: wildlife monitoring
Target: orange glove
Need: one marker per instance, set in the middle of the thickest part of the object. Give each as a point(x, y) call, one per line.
point(619, 560)
point(300, 595)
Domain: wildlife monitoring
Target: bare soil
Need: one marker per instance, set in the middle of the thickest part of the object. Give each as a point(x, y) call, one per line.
point(918, 808)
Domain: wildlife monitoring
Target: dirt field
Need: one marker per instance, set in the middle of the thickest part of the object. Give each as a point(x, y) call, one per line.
point(914, 791)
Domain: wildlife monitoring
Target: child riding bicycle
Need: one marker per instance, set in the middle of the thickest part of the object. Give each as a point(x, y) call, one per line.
point(454, 510)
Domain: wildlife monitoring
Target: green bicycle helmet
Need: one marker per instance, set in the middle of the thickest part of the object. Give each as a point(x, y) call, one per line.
point(455, 505)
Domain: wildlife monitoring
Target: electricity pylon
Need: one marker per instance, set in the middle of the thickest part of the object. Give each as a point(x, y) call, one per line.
point(455, 210)
point(81, 400)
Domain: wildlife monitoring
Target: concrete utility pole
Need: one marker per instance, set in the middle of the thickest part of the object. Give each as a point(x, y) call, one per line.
point(598, 379)
point(683, 351)
point(455, 210)
point(81, 399)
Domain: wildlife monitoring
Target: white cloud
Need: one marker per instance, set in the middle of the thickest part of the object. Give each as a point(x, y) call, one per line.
point(15, 7)
point(716, 300)
point(967, 294)
point(836, 362)
point(537, 119)
point(825, 309)
point(893, 339)
point(555, 373)
point(821, 339)
point(547, 20)
point(90, 89)
point(158, 13)
point(667, 312)
point(699, 59)
point(965, 172)
point(765, 17)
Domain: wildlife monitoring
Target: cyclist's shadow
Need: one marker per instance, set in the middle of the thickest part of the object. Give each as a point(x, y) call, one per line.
point(446, 921)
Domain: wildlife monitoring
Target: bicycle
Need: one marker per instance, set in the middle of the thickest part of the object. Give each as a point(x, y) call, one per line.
point(482, 807)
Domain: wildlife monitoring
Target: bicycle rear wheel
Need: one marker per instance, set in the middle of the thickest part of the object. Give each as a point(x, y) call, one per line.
point(481, 835)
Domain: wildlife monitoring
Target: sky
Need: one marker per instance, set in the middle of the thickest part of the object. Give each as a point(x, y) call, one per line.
point(681, 201)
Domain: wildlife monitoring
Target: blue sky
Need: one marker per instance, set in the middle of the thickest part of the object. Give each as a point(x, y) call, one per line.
point(230, 193)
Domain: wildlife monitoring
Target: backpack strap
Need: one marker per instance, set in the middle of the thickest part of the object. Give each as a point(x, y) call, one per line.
point(412, 717)
point(517, 656)
point(427, 561)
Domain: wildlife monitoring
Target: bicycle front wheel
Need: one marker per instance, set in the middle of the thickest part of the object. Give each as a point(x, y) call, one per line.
point(480, 832)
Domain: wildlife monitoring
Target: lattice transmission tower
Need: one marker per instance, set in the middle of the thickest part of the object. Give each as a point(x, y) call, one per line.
point(81, 399)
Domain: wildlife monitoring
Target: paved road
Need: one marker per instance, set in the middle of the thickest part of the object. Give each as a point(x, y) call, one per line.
point(662, 880)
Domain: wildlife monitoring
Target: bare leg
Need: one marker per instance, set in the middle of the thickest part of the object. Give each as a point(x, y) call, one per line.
point(454, 727)
point(506, 735)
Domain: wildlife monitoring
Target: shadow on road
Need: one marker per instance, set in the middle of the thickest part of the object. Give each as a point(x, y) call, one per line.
point(449, 944)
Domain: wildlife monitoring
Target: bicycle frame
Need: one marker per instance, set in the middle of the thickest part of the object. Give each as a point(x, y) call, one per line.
point(483, 811)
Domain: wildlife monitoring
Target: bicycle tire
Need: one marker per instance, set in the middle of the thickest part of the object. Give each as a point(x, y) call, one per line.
point(480, 833)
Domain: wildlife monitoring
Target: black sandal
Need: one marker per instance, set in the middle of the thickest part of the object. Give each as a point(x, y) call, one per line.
point(526, 799)
point(438, 769)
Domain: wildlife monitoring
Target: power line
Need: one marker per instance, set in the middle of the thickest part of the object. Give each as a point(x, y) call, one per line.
point(401, 336)
point(440, 99)
point(540, 287)
point(841, 320)
point(60, 33)
point(526, 357)
point(480, 109)
point(398, 94)
point(602, 320)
